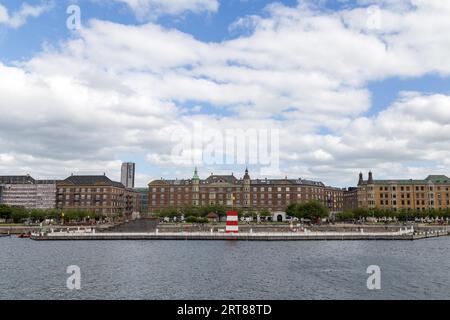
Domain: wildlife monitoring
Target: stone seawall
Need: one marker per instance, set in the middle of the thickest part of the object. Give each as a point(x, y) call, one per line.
point(237, 237)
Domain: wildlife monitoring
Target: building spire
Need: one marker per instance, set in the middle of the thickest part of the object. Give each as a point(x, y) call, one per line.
point(247, 176)
point(361, 179)
point(196, 177)
point(370, 181)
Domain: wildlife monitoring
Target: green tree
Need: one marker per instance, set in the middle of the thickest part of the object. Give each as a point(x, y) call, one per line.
point(291, 210)
point(19, 214)
point(264, 213)
point(5, 212)
point(347, 215)
point(313, 210)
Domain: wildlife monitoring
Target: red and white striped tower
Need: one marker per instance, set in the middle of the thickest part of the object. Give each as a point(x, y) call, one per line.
point(232, 222)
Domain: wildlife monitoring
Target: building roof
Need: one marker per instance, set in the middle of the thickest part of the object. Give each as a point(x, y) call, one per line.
point(27, 179)
point(91, 180)
point(433, 179)
point(303, 182)
point(231, 179)
point(221, 179)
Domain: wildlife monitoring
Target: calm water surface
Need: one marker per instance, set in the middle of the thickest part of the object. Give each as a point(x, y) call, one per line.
point(224, 270)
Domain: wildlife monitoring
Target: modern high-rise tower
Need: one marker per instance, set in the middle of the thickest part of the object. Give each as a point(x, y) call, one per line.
point(128, 173)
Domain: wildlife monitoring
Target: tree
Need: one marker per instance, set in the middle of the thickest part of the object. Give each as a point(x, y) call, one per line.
point(291, 210)
point(347, 215)
point(19, 214)
point(264, 213)
point(5, 212)
point(312, 210)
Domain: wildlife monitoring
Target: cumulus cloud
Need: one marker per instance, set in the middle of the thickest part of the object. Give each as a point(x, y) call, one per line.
point(303, 71)
point(20, 17)
point(152, 9)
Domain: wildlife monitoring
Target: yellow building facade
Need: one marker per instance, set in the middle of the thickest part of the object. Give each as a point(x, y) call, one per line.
point(408, 194)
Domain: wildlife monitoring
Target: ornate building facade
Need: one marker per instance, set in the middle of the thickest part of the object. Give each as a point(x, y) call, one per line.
point(408, 194)
point(244, 193)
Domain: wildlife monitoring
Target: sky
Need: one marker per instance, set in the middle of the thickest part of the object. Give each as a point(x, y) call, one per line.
point(339, 87)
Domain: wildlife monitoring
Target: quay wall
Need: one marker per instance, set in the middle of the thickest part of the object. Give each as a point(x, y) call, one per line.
point(223, 237)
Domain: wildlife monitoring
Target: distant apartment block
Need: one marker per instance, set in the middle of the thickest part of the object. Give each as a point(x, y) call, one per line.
point(128, 173)
point(28, 193)
point(143, 192)
point(350, 199)
point(407, 194)
point(98, 194)
point(244, 193)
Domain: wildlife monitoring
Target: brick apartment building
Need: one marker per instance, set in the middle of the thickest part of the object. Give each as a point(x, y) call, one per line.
point(407, 194)
point(245, 193)
point(98, 194)
point(350, 199)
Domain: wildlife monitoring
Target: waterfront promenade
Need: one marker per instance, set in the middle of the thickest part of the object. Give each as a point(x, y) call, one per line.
point(403, 234)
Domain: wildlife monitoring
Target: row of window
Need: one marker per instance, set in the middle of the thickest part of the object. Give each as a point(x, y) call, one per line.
point(260, 196)
point(162, 203)
point(408, 195)
point(407, 188)
point(254, 189)
point(89, 190)
point(90, 203)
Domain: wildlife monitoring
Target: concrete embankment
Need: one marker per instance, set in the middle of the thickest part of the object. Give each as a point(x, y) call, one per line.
point(402, 235)
point(197, 237)
point(15, 230)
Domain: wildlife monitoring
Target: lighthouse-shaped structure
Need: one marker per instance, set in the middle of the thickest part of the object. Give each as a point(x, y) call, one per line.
point(232, 222)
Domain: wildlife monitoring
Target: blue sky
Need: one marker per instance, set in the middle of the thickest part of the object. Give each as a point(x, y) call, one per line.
point(346, 97)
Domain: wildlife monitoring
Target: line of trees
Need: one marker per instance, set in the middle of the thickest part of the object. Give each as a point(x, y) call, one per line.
point(18, 214)
point(312, 210)
point(401, 215)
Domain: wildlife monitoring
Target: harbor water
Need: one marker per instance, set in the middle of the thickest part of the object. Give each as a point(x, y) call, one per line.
point(224, 269)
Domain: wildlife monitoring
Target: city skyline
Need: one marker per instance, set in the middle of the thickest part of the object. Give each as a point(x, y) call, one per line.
point(259, 65)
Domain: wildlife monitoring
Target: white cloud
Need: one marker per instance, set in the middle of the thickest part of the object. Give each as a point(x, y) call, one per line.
point(19, 18)
point(112, 92)
point(152, 9)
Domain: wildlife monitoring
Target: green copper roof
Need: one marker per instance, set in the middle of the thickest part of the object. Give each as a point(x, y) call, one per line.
point(196, 177)
point(439, 179)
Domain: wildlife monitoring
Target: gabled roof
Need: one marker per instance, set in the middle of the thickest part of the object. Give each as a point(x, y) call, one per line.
point(221, 179)
point(92, 181)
